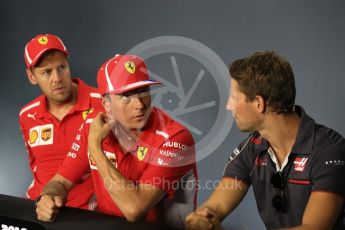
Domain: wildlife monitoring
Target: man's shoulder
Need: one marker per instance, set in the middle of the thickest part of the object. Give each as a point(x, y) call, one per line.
point(250, 146)
point(255, 142)
point(31, 107)
point(326, 137)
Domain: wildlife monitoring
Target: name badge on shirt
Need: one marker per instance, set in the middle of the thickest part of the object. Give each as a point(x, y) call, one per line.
point(41, 135)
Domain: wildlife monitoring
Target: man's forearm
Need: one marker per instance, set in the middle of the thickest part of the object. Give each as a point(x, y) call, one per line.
point(122, 191)
point(55, 188)
point(53, 197)
point(225, 198)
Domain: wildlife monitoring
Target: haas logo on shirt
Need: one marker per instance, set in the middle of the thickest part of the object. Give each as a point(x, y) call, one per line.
point(41, 135)
point(300, 163)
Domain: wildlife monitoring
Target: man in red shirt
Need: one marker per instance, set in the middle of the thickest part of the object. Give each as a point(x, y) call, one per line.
point(49, 123)
point(139, 157)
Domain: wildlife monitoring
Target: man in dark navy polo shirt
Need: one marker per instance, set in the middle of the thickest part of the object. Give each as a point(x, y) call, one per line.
point(296, 166)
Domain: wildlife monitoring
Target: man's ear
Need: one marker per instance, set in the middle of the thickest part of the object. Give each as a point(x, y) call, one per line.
point(31, 76)
point(106, 103)
point(260, 104)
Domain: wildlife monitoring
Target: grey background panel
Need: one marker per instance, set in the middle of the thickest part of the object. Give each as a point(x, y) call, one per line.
point(310, 34)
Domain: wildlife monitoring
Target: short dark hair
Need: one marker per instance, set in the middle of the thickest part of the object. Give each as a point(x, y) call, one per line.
point(268, 75)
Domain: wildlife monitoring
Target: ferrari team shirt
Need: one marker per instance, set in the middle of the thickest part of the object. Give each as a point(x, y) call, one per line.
point(164, 154)
point(48, 140)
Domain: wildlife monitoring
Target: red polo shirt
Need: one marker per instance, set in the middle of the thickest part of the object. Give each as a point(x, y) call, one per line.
point(48, 140)
point(164, 154)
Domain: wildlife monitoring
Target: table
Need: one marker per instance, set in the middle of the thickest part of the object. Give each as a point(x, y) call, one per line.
point(19, 214)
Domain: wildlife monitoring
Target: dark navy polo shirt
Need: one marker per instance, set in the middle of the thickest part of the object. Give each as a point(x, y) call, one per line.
point(316, 163)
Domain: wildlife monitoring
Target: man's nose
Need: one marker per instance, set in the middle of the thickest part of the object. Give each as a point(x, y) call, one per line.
point(230, 105)
point(56, 76)
point(138, 101)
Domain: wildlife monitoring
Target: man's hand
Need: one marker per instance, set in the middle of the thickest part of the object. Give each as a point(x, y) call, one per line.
point(48, 207)
point(99, 129)
point(211, 216)
point(203, 219)
point(196, 221)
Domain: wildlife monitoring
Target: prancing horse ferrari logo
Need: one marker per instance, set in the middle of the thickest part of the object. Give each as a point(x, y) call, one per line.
point(130, 67)
point(141, 153)
point(43, 40)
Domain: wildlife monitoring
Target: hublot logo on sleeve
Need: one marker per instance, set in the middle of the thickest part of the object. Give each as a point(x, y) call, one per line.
point(173, 144)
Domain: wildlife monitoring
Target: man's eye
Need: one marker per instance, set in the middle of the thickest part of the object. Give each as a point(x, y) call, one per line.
point(62, 67)
point(45, 73)
point(144, 94)
point(125, 97)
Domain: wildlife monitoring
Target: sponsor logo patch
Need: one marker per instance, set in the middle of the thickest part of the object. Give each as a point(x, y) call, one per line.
point(160, 161)
point(130, 67)
point(77, 137)
point(234, 154)
point(260, 162)
point(41, 135)
point(300, 163)
point(170, 154)
point(75, 146)
point(32, 116)
point(42, 40)
point(46, 134)
point(335, 162)
point(141, 153)
point(175, 145)
point(86, 112)
point(33, 136)
point(72, 155)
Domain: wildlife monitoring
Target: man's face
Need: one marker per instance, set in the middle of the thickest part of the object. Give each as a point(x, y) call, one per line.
point(243, 111)
point(131, 108)
point(53, 77)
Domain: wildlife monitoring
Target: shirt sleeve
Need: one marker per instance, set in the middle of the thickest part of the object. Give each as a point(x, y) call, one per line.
point(25, 134)
point(237, 166)
point(173, 159)
point(328, 169)
point(76, 163)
